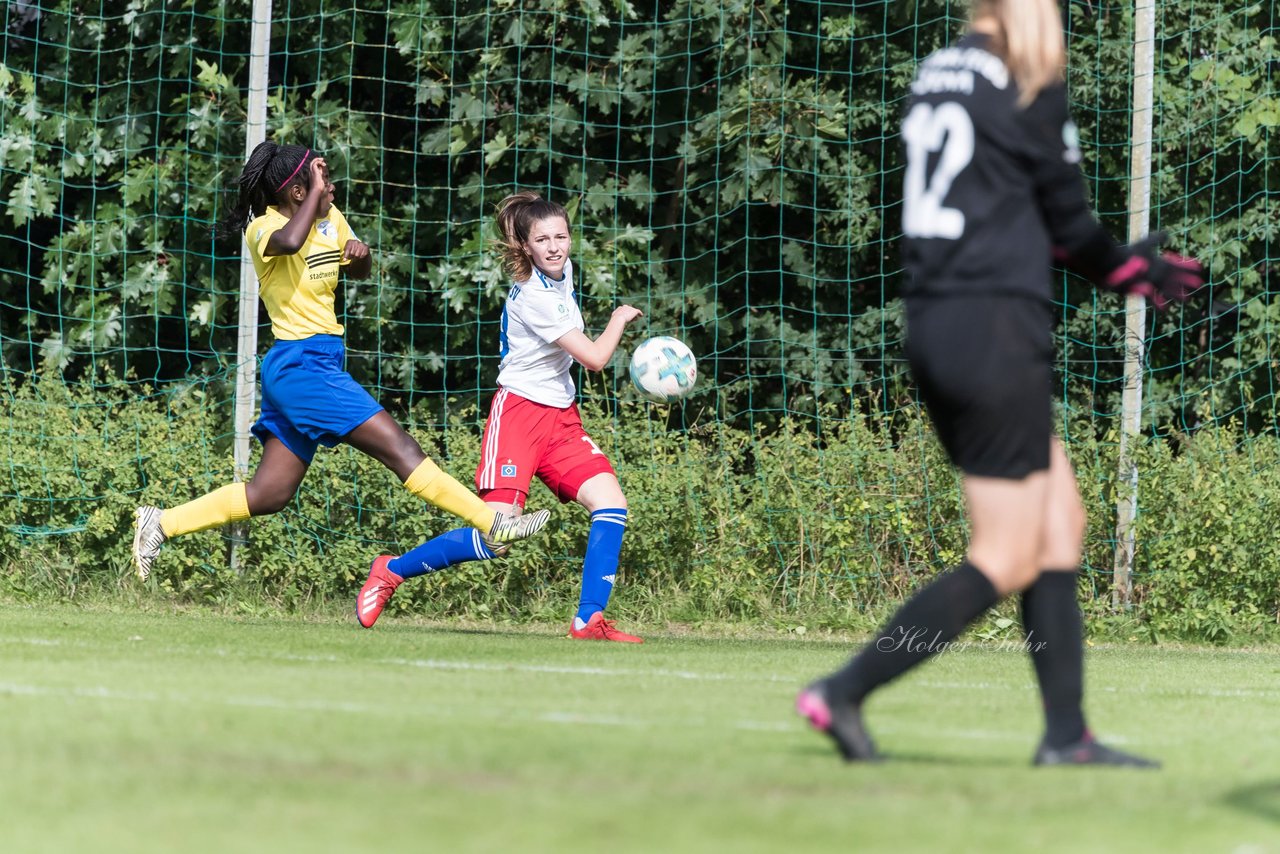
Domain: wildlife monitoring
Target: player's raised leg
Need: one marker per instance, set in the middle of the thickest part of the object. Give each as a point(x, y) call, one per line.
point(386, 441)
point(273, 485)
point(388, 571)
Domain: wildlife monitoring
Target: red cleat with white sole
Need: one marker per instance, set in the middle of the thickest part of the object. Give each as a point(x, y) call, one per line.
point(377, 591)
point(598, 628)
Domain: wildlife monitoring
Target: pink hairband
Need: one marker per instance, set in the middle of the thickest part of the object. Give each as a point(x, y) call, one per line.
point(295, 171)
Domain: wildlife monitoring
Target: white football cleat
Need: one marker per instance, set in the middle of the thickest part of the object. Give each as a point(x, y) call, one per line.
point(508, 529)
point(148, 537)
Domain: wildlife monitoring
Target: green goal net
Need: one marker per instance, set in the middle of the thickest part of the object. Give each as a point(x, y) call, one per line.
point(732, 169)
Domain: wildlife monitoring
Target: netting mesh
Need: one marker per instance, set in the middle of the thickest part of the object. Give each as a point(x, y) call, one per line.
point(732, 169)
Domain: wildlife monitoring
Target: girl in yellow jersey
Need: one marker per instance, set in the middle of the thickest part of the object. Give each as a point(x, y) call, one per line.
point(299, 241)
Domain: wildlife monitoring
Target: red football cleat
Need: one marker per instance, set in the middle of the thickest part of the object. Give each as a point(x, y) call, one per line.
point(377, 591)
point(598, 628)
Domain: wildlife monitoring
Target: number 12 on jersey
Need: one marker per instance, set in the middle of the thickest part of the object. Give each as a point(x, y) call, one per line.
point(928, 130)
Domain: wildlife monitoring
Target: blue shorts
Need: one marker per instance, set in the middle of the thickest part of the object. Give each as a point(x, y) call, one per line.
point(308, 399)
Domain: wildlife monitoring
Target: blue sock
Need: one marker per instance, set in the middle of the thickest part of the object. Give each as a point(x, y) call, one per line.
point(457, 546)
point(604, 544)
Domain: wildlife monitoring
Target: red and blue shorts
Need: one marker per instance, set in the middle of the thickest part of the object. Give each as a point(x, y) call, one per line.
point(523, 439)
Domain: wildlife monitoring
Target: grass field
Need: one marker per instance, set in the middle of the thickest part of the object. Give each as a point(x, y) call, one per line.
point(194, 733)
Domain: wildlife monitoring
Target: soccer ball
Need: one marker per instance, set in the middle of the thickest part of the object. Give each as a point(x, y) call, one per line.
point(663, 369)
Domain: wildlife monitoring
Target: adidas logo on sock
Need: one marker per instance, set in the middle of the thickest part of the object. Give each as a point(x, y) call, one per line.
point(608, 578)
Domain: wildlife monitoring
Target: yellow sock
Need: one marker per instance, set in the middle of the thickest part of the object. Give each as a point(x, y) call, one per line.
point(436, 487)
point(225, 504)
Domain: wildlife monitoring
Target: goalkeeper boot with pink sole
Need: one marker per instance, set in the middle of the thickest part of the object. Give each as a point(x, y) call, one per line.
point(1089, 751)
point(841, 722)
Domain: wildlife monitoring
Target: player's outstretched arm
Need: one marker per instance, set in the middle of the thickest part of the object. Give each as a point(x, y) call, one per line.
point(594, 355)
point(1140, 268)
point(1161, 276)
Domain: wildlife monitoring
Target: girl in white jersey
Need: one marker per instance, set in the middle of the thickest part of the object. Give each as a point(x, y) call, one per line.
point(534, 428)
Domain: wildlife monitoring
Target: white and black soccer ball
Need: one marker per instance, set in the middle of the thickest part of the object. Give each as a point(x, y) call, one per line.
point(663, 369)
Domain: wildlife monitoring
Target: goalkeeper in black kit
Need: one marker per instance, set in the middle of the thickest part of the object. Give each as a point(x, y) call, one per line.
point(992, 196)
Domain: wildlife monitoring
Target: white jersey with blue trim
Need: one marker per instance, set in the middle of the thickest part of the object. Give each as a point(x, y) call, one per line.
point(536, 314)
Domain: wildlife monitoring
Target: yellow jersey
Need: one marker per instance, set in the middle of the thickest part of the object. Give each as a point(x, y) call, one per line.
point(298, 289)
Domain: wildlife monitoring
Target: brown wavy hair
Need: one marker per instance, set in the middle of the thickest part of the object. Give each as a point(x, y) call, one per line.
point(516, 215)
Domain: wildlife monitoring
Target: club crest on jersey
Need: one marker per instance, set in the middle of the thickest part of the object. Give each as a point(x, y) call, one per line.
point(561, 309)
point(508, 471)
point(325, 227)
point(1071, 139)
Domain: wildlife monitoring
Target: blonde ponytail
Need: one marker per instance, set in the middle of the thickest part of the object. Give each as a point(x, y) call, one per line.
point(1031, 41)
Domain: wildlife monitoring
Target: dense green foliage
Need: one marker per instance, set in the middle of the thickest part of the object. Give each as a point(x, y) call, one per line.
point(731, 165)
point(733, 169)
point(727, 522)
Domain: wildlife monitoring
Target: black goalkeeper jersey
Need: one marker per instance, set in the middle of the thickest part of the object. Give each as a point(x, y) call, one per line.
point(990, 188)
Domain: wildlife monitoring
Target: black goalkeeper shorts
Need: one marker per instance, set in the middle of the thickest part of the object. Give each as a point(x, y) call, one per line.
point(984, 367)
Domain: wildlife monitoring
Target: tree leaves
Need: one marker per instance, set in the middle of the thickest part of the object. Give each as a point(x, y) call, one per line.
point(731, 167)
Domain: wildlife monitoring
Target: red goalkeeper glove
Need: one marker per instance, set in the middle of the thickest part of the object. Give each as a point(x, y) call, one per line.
point(1162, 277)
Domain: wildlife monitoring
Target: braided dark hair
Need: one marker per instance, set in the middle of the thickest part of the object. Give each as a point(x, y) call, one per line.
point(270, 170)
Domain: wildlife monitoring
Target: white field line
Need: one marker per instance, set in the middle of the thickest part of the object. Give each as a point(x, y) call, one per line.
point(1215, 693)
point(661, 673)
point(575, 670)
point(441, 664)
point(786, 725)
point(445, 664)
point(98, 692)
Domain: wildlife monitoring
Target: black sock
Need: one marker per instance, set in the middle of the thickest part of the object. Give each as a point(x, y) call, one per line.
point(1055, 638)
point(924, 625)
